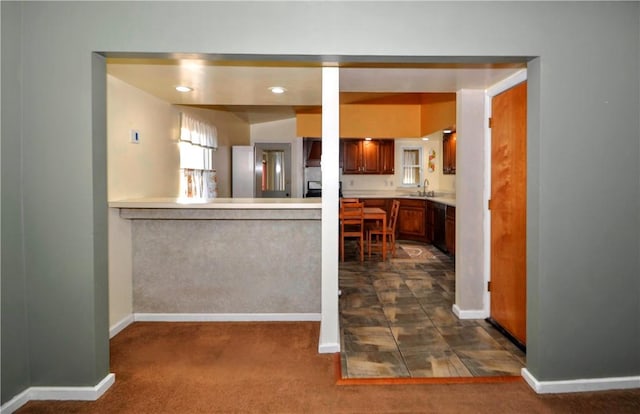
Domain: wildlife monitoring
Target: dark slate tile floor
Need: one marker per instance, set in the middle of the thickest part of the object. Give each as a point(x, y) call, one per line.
point(396, 321)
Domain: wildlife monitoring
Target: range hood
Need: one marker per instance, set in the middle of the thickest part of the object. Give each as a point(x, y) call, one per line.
point(313, 151)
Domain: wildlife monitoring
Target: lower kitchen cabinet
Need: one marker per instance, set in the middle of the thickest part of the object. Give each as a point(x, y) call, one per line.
point(412, 220)
point(383, 203)
point(450, 230)
point(376, 202)
point(422, 220)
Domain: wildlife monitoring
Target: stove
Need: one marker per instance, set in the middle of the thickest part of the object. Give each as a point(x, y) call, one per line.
point(314, 189)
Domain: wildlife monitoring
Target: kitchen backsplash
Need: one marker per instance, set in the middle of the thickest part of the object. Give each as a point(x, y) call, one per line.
point(437, 182)
point(368, 182)
point(359, 182)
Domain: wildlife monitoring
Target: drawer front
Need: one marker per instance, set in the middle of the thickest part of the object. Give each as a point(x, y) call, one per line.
point(412, 203)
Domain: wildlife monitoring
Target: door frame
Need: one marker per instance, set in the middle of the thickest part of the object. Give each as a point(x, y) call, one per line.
point(496, 89)
point(259, 147)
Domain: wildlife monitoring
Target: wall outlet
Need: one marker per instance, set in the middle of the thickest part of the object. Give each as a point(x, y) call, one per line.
point(134, 136)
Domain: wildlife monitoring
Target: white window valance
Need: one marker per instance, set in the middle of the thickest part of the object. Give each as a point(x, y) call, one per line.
point(197, 142)
point(198, 132)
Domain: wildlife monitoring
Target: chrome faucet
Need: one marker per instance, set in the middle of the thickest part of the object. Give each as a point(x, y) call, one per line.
point(425, 184)
point(424, 192)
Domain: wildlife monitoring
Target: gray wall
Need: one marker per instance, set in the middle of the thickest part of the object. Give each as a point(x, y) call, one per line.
point(14, 355)
point(584, 190)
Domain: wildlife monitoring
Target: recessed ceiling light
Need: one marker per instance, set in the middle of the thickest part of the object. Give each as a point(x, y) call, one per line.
point(277, 89)
point(446, 131)
point(367, 139)
point(183, 88)
point(425, 139)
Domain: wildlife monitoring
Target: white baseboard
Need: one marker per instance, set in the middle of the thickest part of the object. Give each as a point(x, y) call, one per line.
point(225, 317)
point(328, 348)
point(58, 393)
point(16, 402)
point(120, 325)
point(580, 385)
point(469, 314)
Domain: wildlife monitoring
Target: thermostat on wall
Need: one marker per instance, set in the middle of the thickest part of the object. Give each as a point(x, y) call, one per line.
point(134, 137)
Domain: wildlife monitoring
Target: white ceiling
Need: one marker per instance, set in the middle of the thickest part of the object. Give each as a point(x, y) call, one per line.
point(244, 89)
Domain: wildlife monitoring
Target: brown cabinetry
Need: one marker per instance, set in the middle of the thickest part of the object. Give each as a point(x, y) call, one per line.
point(412, 220)
point(387, 156)
point(450, 230)
point(383, 203)
point(370, 157)
point(351, 156)
point(417, 221)
point(360, 156)
point(449, 153)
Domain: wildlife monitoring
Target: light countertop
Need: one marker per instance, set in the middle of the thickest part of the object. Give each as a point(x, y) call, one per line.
point(220, 203)
point(266, 203)
point(439, 197)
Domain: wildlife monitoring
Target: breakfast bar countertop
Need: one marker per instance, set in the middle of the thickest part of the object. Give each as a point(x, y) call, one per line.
point(219, 203)
point(199, 257)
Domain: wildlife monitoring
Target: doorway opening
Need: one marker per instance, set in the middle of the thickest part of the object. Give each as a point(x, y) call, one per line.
point(273, 170)
point(331, 319)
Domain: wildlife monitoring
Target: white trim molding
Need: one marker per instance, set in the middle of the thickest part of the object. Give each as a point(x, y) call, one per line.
point(16, 402)
point(469, 314)
point(580, 385)
point(507, 83)
point(226, 317)
point(120, 325)
point(59, 394)
point(328, 348)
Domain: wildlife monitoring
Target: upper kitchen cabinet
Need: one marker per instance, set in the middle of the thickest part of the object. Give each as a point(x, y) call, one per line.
point(351, 156)
point(387, 156)
point(361, 156)
point(449, 153)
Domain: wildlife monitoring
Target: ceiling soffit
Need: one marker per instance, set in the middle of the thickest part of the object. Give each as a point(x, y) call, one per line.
point(243, 88)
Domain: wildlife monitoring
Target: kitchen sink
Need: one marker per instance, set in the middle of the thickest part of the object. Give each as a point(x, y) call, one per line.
point(423, 194)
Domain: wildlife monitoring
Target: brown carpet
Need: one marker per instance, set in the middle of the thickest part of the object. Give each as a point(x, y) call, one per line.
point(275, 368)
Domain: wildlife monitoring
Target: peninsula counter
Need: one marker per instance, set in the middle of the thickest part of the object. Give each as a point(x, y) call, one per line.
point(225, 259)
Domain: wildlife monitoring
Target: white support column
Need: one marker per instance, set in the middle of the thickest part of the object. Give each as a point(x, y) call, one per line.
point(470, 204)
point(329, 328)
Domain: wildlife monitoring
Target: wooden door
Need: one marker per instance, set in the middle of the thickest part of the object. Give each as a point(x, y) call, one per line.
point(508, 210)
